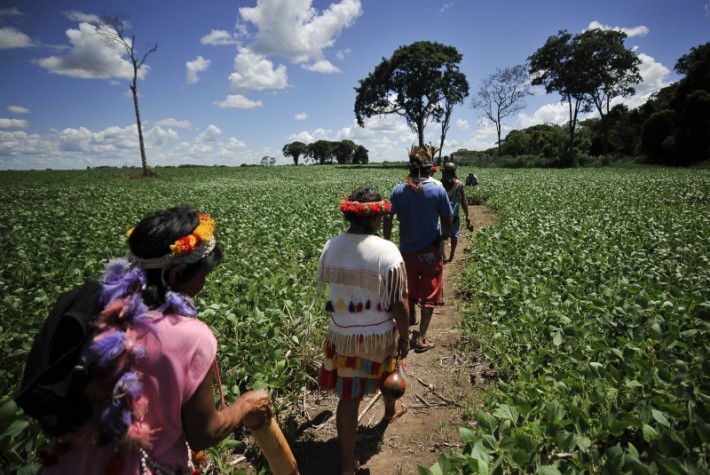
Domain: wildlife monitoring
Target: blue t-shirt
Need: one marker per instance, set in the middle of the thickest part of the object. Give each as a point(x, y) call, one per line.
point(418, 213)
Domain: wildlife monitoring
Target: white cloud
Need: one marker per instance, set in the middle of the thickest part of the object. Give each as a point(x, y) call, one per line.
point(218, 38)
point(310, 137)
point(195, 67)
point(211, 134)
point(159, 136)
point(237, 101)
point(557, 113)
point(295, 30)
point(11, 38)
point(13, 123)
point(82, 17)
point(91, 57)
point(462, 124)
point(9, 12)
point(630, 32)
point(322, 66)
point(446, 6)
point(301, 116)
point(653, 75)
point(342, 54)
point(17, 110)
point(255, 72)
point(170, 122)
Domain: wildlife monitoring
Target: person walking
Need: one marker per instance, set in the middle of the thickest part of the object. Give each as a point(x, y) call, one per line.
point(152, 360)
point(457, 197)
point(424, 213)
point(368, 307)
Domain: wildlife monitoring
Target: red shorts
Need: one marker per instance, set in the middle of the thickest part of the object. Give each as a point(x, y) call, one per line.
point(425, 275)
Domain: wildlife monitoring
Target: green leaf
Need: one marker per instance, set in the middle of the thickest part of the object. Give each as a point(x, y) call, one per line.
point(660, 417)
point(548, 470)
point(649, 433)
point(507, 412)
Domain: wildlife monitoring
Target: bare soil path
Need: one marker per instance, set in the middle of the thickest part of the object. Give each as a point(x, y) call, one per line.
point(441, 382)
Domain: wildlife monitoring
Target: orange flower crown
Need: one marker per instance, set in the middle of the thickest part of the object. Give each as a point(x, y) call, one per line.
point(186, 250)
point(364, 209)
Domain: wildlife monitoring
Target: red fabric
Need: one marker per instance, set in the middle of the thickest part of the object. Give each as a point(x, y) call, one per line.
point(425, 279)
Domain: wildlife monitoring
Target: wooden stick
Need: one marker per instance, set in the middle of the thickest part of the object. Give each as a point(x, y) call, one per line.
point(369, 405)
point(275, 448)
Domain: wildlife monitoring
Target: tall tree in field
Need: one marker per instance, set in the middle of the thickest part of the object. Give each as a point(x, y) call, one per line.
point(503, 94)
point(112, 30)
point(611, 70)
point(294, 150)
point(589, 69)
point(412, 84)
point(455, 89)
point(361, 155)
point(556, 67)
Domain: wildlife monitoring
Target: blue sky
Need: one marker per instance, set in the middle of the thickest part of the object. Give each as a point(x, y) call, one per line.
point(234, 81)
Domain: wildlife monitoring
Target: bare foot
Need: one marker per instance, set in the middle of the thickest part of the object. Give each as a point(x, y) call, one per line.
point(399, 410)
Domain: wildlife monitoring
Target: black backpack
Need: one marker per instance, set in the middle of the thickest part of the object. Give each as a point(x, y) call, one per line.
point(54, 382)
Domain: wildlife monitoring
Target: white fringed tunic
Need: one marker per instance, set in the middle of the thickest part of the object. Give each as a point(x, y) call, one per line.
point(364, 274)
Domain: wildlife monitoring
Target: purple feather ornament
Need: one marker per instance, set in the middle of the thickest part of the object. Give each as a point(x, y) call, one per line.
point(106, 347)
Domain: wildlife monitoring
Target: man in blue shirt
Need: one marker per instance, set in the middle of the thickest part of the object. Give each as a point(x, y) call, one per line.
point(424, 213)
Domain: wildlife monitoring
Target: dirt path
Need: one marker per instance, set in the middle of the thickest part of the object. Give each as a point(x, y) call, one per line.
point(441, 383)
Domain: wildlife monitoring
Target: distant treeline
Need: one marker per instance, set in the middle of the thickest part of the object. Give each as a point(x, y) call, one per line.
point(671, 128)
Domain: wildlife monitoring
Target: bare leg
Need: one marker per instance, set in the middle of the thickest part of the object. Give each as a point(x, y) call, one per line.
point(393, 408)
point(346, 422)
point(454, 242)
point(424, 325)
point(412, 312)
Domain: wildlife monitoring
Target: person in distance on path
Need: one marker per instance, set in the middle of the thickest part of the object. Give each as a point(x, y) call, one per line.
point(424, 213)
point(457, 197)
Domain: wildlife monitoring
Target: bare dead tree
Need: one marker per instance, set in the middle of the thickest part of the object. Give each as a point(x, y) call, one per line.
point(112, 29)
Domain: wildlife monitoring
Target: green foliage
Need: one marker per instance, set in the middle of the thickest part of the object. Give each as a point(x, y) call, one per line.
point(260, 303)
point(592, 298)
point(414, 83)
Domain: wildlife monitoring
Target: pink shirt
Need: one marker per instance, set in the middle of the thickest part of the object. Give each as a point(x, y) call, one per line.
point(180, 352)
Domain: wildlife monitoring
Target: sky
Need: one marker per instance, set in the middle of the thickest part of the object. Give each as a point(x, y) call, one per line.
point(234, 81)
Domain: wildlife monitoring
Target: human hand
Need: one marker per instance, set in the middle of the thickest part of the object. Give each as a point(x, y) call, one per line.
point(257, 408)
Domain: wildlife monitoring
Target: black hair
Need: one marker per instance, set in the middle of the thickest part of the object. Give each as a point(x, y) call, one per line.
point(152, 237)
point(363, 194)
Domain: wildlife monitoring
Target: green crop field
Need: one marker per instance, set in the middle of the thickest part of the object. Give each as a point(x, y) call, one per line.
point(591, 297)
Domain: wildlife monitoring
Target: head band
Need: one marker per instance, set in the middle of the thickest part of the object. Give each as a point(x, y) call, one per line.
point(187, 250)
point(364, 209)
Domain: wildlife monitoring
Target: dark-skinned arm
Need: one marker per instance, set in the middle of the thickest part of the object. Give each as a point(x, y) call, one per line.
point(464, 206)
point(205, 426)
point(387, 227)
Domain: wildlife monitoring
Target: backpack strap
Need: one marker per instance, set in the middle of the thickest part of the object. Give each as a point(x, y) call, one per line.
point(218, 380)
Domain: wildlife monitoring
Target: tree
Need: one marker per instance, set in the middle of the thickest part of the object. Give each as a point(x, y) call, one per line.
point(455, 89)
point(294, 150)
point(611, 70)
point(591, 68)
point(343, 151)
point(360, 156)
point(556, 67)
point(320, 151)
point(503, 94)
point(112, 29)
point(412, 84)
point(692, 105)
